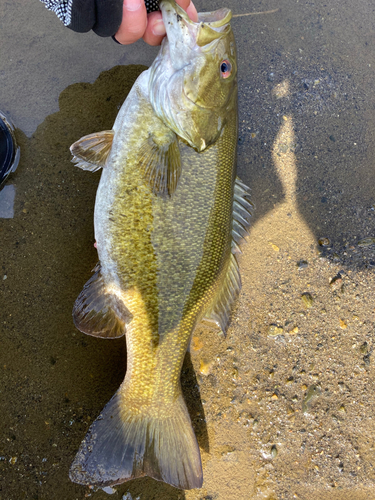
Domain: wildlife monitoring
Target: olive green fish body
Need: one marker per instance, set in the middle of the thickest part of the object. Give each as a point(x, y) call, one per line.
point(169, 215)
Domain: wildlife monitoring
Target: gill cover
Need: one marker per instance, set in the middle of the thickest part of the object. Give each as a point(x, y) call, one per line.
point(188, 89)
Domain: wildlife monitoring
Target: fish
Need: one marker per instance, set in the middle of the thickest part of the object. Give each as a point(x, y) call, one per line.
point(170, 215)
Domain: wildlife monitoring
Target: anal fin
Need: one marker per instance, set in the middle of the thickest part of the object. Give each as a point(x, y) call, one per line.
point(98, 312)
point(229, 289)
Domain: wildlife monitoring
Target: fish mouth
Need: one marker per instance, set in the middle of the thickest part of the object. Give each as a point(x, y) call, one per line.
point(215, 19)
point(209, 27)
point(169, 8)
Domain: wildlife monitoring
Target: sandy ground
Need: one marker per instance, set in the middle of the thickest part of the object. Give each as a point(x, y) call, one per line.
point(283, 407)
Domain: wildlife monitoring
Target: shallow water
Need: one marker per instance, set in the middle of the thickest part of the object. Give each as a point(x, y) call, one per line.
point(283, 406)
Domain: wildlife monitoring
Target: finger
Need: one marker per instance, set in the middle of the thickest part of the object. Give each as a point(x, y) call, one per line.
point(134, 22)
point(155, 30)
point(190, 9)
point(108, 19)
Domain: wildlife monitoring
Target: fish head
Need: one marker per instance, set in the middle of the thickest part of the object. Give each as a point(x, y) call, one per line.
point(193, 82)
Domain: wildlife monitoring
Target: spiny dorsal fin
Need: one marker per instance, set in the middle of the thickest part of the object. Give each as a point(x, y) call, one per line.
point(242, 211)
point(91, 151)
point(160, 160)
point(99, 312)
point(221, 307)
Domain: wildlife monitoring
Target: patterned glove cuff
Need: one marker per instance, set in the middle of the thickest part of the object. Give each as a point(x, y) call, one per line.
point(102, 16)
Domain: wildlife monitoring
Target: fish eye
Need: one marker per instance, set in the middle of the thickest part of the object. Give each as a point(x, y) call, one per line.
point(225, 68)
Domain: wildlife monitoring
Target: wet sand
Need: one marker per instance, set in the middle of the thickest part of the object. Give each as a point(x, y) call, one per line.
point(283, 407)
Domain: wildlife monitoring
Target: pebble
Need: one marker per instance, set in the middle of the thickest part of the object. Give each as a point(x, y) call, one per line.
point(196, 343)
point(366, 242)
point(364, 347)
point(302, 264)
point(343, 324)
point(13, 460)
point(109, 490)
point(313, 393)
point(127, 496)
point(366, 359)
point(336, 282)
point(274, 330)
point(324, 242)
point(205, 367)
point(275, 247)
point(294, 331)
point(274, 451)
point(307, 299)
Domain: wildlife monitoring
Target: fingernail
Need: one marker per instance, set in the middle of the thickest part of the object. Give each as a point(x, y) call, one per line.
point(132, 5)
point(159, 28)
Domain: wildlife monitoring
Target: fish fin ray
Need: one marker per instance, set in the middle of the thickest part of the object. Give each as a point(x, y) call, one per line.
point(97, 312)
point(122, 444)
point(219, 310)
point(242, 212)
point(91, 151)
point(222, 304)
point(160, 161)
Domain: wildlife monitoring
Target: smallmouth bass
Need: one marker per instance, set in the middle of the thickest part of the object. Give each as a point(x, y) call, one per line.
point(169, 216)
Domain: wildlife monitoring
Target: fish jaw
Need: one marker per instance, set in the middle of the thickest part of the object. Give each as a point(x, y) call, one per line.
point(181, 32)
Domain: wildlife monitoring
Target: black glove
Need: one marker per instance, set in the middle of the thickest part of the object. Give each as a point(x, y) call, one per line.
point(102, 16)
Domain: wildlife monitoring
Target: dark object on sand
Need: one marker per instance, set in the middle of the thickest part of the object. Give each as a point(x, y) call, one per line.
point(9, 151)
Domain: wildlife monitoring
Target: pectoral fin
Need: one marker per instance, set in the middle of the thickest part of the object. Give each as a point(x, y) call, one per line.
point(99, 312)
point(91, 151)
point(160, 161)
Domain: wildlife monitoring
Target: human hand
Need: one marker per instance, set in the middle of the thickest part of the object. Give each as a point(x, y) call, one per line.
point(137, 24)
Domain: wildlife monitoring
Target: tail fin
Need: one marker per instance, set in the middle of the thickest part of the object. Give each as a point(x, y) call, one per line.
point(123, 445)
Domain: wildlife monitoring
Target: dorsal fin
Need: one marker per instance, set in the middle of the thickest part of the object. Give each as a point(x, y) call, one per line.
point(91, 151)
point(99, 312)
point(160, 161)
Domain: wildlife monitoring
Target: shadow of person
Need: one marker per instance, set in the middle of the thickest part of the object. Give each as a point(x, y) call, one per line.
point(328, 154)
